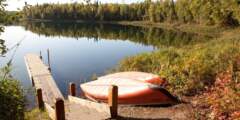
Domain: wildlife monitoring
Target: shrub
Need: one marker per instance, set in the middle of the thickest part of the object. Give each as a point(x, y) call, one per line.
point(12, 100)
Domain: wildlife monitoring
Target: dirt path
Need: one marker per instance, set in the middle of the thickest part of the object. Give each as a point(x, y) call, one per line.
point(176, 112)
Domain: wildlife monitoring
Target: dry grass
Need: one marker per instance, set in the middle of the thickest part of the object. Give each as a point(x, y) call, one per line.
point(36, 114)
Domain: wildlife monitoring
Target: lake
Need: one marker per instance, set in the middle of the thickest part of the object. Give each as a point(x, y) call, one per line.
point(79, 51)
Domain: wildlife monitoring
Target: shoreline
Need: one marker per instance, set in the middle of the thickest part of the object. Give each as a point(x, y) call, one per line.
point(188, 27)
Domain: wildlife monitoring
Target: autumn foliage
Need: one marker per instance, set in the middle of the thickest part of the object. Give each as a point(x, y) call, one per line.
point(221, 102)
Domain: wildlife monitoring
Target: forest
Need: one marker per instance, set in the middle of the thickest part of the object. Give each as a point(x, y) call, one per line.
point(208, 12)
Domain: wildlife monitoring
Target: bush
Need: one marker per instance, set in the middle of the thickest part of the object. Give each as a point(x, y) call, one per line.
point(12, 100)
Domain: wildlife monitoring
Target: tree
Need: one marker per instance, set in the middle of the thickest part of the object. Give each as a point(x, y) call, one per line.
point(1, 12)
point(151, 12)
point(184, 12)
point(225, 15)
point(211, 12)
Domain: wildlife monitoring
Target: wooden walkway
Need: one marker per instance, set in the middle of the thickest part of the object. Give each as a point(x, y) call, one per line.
point(42, 79)
point(50, 98)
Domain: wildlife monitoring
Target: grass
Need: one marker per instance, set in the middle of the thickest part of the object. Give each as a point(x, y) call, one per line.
point(192, 68)
point(36, 114)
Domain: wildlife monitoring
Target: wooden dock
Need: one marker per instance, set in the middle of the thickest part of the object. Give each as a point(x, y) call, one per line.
point(51, 99)
point(42, 79)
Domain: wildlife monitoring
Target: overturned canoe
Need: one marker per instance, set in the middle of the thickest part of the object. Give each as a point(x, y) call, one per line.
point(139, 76)
point(130, 90)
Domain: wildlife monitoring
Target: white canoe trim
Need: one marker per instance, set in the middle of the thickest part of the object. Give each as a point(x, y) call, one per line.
point(141, 76)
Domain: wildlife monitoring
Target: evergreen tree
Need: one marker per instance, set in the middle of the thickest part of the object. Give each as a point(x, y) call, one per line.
point(212, 12)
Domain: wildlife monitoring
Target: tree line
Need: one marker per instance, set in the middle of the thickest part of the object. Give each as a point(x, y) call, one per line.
point(211, 12)
point(11, 17)
point(1, 13)
point(2, 46)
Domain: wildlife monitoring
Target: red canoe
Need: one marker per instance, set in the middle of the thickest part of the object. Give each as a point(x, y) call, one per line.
point(134, 88)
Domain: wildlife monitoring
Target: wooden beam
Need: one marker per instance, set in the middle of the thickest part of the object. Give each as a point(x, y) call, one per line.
point(33, 84)
point(51, 111)
point(29, 73)
point(72, 89)
point(40, 55)
point(113, 100)
point(59, 109)
point(100, 107)
point(40, 99)
point(49, 63)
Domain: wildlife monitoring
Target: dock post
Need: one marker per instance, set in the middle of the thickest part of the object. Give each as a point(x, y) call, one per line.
point(72, 89)
point(40, 99)
point(113, 101)
point(59, 109)
point(40, 54)
point(33, 84)
point(49, 65)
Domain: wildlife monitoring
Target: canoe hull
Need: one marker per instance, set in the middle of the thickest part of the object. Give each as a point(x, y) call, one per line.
point(135, 88)
point(146, 97)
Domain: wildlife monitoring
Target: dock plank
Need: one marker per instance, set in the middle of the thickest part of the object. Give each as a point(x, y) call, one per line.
point(75, 111)
point(42, 78)
point(100, 107)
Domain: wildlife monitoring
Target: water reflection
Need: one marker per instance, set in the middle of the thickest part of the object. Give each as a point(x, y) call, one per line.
point(3, 48)
point(147, 36)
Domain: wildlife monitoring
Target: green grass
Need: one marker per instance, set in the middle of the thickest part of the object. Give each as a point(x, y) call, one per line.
point(192, 68)
point(36, 114)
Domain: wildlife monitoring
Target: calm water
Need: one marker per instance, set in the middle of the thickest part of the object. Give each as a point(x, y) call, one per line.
point(77, 51)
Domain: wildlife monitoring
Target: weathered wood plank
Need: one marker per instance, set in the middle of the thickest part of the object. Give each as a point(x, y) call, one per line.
point(51, 111)
point(100, 107)
point(75, 111)
point(42, 78)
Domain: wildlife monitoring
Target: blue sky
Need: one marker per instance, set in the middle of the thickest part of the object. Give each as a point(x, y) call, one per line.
point(14, 4)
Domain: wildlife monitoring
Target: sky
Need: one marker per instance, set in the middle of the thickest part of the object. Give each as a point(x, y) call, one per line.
point(15, 4)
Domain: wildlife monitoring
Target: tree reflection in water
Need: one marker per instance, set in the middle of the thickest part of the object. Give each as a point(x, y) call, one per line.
point(146, 36)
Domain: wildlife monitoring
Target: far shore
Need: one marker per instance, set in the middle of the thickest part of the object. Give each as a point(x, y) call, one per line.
point(188, 27)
